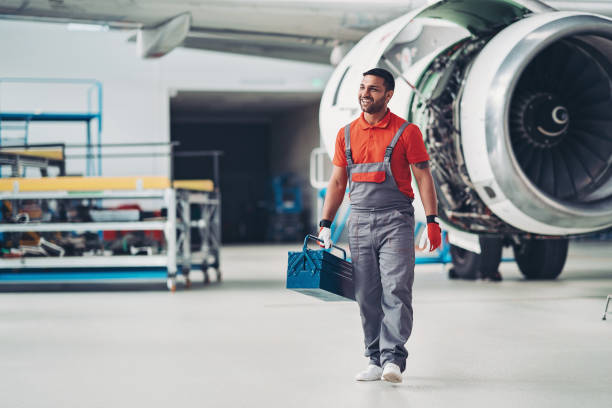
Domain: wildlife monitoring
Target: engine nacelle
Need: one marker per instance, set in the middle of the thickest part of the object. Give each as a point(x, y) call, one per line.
point(517, 118)
point(537, 104)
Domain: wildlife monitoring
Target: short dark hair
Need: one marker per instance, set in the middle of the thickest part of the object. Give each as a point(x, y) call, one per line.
point(389, 82)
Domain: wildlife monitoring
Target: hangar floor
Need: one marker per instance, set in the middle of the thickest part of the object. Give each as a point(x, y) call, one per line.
point(250, 343)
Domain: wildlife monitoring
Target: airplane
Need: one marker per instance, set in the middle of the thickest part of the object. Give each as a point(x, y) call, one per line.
point(512, 96)
point(514, 101)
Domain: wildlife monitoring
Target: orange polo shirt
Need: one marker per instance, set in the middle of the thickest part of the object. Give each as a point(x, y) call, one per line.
point(368, 144)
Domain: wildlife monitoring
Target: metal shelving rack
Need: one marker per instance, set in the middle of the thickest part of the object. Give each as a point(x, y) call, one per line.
point(19, 120)
point(176, 227)
point(168, 226)
point(208, 227)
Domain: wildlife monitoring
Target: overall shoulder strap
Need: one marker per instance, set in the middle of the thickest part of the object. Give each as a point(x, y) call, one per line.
point(391, 146)
point(347, 144)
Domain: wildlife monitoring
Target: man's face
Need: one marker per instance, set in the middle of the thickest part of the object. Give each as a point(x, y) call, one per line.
point(373, 97)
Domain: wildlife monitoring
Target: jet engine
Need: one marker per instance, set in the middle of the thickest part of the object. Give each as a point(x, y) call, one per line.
point(515, 104)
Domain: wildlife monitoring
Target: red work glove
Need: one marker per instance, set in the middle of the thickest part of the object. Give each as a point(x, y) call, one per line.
point(434, 234)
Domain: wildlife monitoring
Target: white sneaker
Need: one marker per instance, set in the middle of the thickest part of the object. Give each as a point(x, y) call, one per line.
point(372, 373)
point(392, 373)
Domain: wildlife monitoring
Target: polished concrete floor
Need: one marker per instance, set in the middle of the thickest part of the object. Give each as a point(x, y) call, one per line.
point(248, 342)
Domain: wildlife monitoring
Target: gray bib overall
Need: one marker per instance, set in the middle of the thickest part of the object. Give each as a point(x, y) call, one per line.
point(381, 240)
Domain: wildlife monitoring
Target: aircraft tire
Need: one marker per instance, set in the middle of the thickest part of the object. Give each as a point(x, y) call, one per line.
point(541, 259)
point(470, 265)
point(466, 264)
point(491, 255)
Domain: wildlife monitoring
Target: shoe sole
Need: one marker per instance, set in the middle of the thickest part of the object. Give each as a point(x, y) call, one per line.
point(362, 379)
point(366, 380)
point(392, 378)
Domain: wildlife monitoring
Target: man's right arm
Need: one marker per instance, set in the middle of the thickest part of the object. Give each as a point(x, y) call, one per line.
point(335, 193)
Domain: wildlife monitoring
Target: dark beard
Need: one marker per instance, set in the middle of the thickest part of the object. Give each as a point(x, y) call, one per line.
point(374, 107)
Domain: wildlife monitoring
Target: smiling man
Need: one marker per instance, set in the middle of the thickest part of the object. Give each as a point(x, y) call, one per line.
point(375, 154)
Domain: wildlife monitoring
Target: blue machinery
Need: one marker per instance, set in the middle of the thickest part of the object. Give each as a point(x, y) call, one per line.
point(20, 121)
point(287, 196)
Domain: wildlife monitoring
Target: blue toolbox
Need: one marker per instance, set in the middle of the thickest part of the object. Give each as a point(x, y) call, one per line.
point(320, 274)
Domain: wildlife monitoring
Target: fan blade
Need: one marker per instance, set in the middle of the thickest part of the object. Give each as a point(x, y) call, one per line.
point(591, 162)
point(533, 168)
point(596, 142)
point(564, 186)
point(591, 95)
point(581, 179)
point(595, 111)
point(525, 154)
point(547, 177)
point(574, 72)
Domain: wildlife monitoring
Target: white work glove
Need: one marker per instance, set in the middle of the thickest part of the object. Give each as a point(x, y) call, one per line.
point(325, 236)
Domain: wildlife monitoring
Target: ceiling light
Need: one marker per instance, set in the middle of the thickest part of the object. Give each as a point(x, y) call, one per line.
point(87, 27)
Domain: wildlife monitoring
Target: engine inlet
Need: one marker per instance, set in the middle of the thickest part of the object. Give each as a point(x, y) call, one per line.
point(561, 120)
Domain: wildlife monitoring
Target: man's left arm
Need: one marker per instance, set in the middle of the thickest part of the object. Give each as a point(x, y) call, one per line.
point(425, 183)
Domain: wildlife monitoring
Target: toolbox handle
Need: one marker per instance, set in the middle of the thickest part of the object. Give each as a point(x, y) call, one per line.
point(303, 255)
point(314, 238)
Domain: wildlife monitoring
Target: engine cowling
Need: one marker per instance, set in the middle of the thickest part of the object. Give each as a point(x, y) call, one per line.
point(517, 120)
point(537, 104)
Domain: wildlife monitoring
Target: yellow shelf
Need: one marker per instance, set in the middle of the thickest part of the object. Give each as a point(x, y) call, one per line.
point(53, 154)
point(16, 185)
point(196, 185)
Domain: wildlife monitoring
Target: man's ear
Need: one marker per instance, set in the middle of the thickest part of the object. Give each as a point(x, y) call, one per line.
point(388, 95)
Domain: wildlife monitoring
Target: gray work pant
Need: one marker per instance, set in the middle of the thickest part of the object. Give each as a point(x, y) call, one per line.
point(382, 251)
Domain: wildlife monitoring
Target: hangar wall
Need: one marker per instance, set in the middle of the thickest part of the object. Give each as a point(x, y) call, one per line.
point(137, 94)
point(133, 105)
point(136, 91)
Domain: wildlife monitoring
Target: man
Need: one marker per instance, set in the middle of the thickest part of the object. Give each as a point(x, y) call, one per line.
point(375, 153)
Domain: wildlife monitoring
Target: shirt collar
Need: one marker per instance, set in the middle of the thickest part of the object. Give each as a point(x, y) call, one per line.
point(383, 123)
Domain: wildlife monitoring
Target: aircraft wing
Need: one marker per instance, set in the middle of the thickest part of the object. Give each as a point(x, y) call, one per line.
point(299, 30)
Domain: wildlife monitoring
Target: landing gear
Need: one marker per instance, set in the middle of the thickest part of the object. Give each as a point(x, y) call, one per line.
point(465, 263)
point(470, 265)
point(541, 259)
point(490, 258)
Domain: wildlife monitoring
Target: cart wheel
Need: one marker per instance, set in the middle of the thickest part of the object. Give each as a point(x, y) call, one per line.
point(603, 318)
point(171, 284)
point(186, 275)
point(205, 272)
